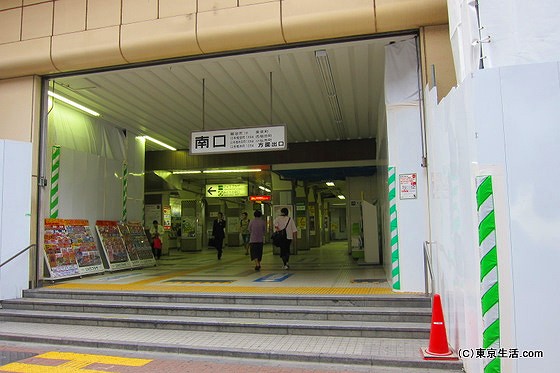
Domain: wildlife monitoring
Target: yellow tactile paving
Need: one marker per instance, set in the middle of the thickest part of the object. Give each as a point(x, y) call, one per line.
point(223, 289)
point(74, 363)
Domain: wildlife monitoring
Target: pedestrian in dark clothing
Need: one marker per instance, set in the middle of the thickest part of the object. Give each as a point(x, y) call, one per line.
point(218, 232)
point(257, 230)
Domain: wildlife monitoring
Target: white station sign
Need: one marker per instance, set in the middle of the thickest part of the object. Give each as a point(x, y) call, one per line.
point(227, 190)
point(239, 140)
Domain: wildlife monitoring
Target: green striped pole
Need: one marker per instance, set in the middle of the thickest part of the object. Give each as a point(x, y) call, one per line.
point(124, 191)
point(394, 231)
point(489, 284)
point(55, 167)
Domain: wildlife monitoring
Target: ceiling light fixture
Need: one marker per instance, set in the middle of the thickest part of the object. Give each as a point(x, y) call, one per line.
point(341, 196)
point(231, 171)
point(187, 172)
point(328, 80)
point(72, 103)
point(330, 183)
point(159, 143)
point(263, 188)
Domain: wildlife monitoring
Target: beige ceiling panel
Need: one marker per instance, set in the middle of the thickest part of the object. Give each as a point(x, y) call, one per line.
point(25, 58)
point(37, 21)
point(103, 13)
point(253, 2)
point(170, 8)
point(162, 38)
point(89, 49)
point(9, 4)
point(212, 5)
point(31, 2)
point(239, 28)
point(69, 16)
point(139, 10)
point(321, 19)
point(10, 25)
point(395, 15)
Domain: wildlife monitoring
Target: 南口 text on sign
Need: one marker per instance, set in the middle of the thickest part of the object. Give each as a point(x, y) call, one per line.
point(239, 140)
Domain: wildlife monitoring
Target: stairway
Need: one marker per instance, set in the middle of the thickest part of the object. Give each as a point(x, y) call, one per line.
point(362, 330)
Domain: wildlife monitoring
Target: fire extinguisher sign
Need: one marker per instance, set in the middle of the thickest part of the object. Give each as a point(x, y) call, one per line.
point(407, 183)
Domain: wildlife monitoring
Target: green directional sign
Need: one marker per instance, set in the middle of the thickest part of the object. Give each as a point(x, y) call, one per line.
point(227, 190)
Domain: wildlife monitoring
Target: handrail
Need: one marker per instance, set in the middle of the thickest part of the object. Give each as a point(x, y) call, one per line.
point(18, 254)
point(428, 269)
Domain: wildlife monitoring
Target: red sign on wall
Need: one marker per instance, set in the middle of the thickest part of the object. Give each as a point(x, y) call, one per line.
point(259, 198)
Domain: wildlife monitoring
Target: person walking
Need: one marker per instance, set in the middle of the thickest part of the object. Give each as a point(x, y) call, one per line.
point(285, 222)
point(257, 230)
point(218, 232)
point(156, 233)
point(244, 229)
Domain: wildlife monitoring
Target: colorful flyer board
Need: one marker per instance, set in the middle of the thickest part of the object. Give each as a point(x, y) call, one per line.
point(113, 245)
point(84, 247)
point(135, 236)
point(59, 254)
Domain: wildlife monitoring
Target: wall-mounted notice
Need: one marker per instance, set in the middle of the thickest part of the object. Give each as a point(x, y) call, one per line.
point(407, 185)
point(239, 140)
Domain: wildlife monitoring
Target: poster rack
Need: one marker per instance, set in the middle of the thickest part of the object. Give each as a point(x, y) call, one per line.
point(113, 245)
point(70, 249)
point(135, 237)
point(83, 244)
point(59, 255)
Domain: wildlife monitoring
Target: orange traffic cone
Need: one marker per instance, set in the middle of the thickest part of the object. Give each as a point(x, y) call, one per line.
point(438, 347)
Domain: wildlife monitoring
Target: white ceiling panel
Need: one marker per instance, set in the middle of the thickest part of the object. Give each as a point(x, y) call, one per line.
point(169, 101)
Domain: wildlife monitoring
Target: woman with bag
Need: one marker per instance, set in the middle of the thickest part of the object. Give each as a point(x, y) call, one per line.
point(284, 222)
point(257, 229)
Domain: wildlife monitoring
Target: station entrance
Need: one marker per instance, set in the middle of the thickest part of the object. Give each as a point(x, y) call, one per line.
point(129, 160)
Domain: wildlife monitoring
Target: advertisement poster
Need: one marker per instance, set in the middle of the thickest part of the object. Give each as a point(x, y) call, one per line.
point(59, 255)
point(166, 217)
point(84, 247)
point(113, 244)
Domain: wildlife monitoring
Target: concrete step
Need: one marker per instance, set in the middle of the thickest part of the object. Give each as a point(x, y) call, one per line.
point(333, 313)
point(237, 325)
point(393, 300)
point(365, 352)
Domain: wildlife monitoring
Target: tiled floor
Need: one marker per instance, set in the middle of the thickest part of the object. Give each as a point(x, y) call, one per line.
point(325, 270)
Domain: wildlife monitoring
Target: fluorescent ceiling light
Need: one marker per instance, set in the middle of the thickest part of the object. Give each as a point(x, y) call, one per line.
point(263, 188)
point(74, 104)
point(328, 80)
point(159, 143)
point(340, 196)
point(187, 172)
point(329, 183)
point(230, 171)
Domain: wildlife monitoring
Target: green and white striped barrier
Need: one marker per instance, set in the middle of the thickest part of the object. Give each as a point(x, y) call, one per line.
point(395, 272)
point(124, 191)
point(55, 167)
point(489, 285)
